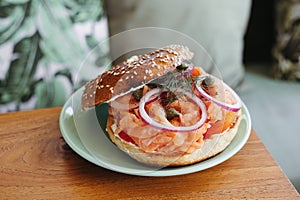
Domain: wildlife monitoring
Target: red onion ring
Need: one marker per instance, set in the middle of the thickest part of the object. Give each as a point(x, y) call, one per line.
point(158, 125)
point(230, 107)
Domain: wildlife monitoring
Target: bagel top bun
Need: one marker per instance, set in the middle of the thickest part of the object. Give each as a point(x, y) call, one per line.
point(133, 73)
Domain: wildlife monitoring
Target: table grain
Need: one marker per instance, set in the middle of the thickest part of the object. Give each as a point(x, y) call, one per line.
point(36, 163)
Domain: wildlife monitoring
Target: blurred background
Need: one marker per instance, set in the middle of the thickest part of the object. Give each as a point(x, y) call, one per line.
point(255, 44)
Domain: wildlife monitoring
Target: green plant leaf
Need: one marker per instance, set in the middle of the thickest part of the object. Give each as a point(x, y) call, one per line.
point(19, 78)
point(12, 22)
point(82, 11)
point(58, 37)
point(16, 1)
point(17, 23)
point(91, 41)
point(66, 73)
point(52, 92)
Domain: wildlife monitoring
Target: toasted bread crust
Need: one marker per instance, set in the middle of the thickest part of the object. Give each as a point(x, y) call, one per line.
point(211, 147)
point(133, 73)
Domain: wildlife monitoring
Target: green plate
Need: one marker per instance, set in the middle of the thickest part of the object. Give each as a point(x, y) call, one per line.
point(85, 135)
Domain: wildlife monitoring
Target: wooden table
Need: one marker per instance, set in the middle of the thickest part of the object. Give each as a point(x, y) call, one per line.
point(36, 163)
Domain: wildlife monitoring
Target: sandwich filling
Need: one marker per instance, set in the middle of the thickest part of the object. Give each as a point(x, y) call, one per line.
point(173, 116)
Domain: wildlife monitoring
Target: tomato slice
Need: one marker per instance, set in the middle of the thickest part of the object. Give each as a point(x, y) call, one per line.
point(126, 137)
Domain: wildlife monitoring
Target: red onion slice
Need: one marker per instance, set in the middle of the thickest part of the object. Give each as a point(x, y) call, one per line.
point(230, 107)
point(148, 96)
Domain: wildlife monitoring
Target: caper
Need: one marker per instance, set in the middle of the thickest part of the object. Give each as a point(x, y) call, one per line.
point(172, 113)
point(138, 94)
point(182, 67)
point(208, 82)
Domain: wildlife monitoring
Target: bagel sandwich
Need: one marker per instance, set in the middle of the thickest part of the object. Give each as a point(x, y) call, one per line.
point(163, 110)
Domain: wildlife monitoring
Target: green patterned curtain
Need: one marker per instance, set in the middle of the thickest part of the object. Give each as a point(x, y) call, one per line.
point(42, 43)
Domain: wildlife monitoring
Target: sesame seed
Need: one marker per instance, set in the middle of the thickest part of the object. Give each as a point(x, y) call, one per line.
point(107, 85)
point(145, 77)
point(134, 72)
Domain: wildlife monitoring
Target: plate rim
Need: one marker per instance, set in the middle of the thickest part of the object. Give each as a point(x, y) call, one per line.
point(218, 159)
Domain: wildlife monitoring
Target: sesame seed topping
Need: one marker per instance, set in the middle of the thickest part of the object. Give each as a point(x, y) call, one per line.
point(111, 89)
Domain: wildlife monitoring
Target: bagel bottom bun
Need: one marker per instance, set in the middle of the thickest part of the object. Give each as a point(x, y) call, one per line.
point(211, 147)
